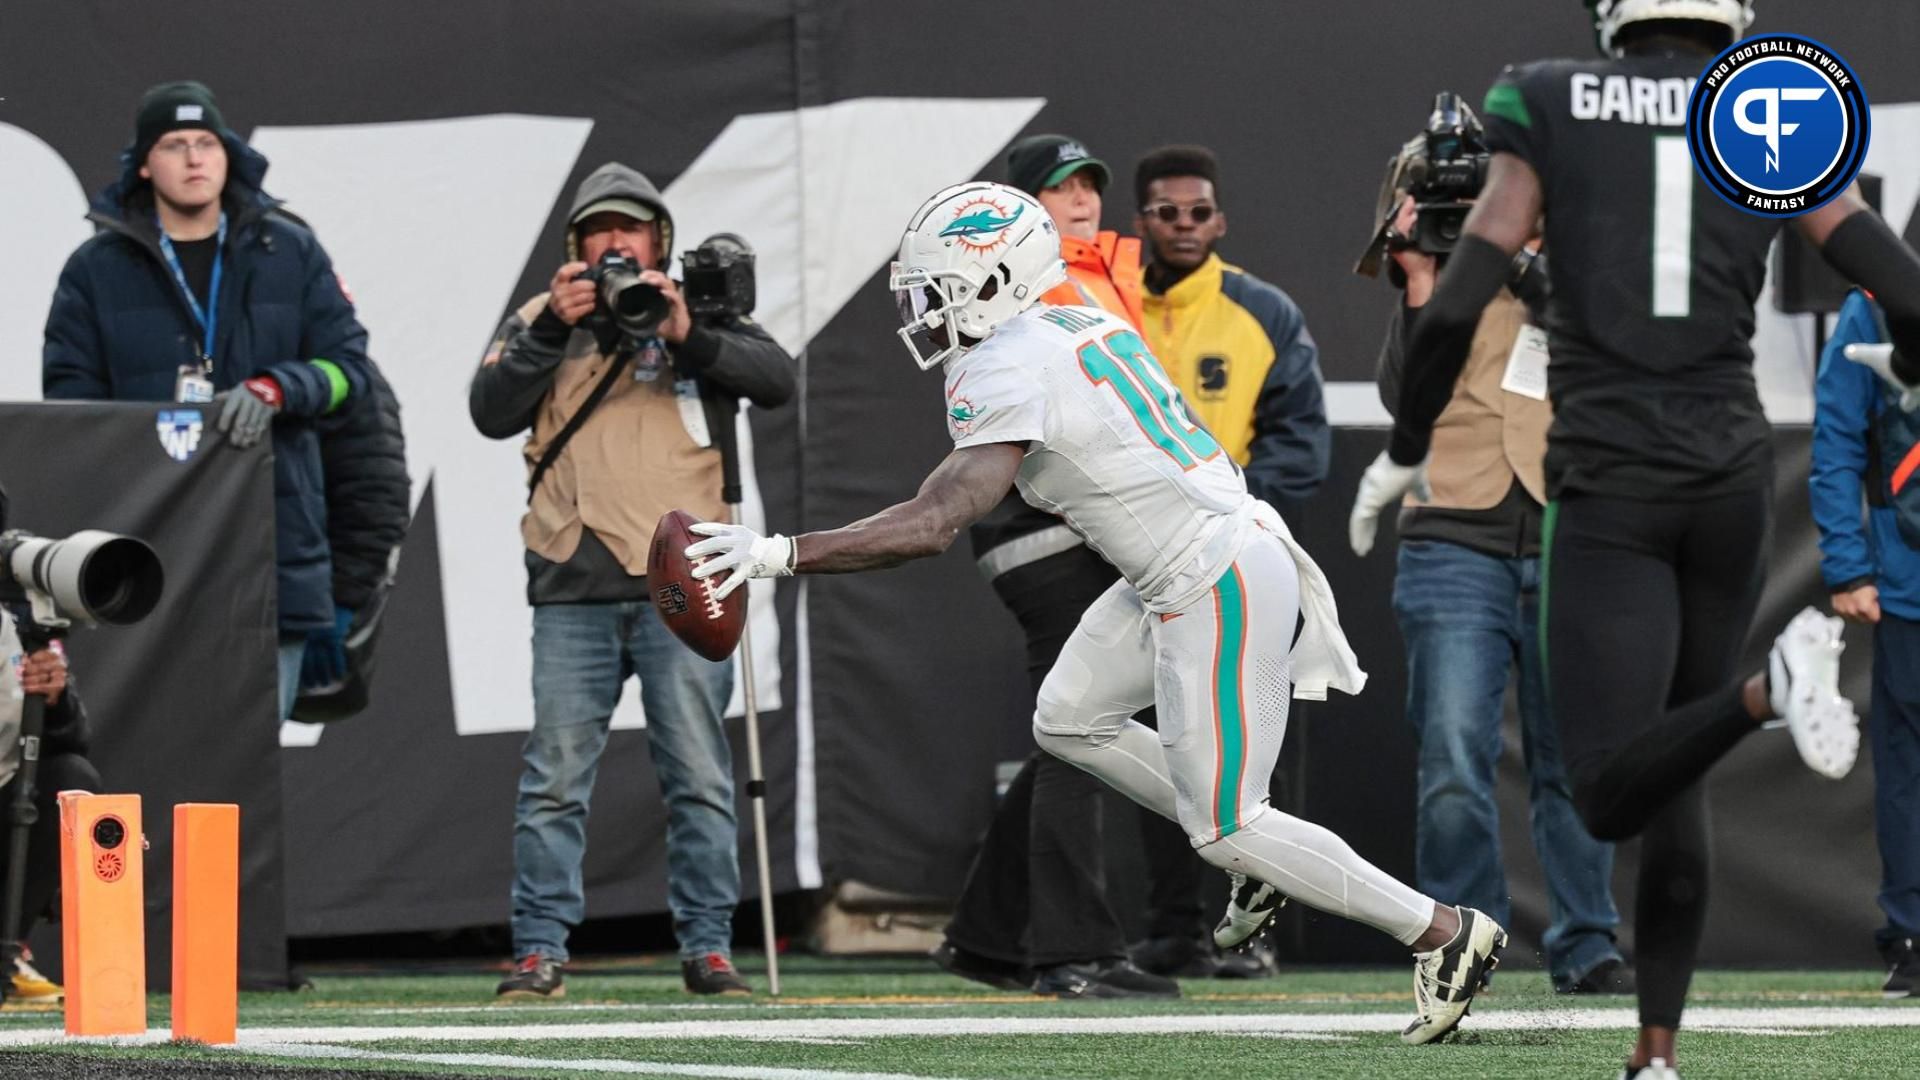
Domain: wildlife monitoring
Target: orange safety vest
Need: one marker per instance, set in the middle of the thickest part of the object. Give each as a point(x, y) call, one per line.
point(1103, 274)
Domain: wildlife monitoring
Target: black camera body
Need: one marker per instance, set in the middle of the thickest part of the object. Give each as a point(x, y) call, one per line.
point(630, 304)
point(717, 278)
point(1444, 173)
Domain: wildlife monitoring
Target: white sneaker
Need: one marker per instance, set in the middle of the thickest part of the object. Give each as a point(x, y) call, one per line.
point(1250, 904)
point(1880, 359)
point(1803, 676)
point(1445, 980)
point(1654, 1069)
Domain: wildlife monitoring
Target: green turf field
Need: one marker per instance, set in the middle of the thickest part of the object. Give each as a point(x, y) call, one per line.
point(844, 1019)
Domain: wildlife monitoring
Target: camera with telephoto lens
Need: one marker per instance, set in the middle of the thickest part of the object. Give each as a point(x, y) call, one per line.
point(631, 304)
point(89, 577)
point(717, 278)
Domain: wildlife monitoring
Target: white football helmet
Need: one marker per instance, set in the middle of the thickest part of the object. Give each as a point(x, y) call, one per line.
point(974, 256)
point(1609, 16)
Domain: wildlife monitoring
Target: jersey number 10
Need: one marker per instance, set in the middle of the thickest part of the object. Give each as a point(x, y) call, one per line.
point(1122, 362)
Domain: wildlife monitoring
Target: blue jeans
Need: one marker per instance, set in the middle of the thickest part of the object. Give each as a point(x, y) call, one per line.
point(292, 651)
point(1895, 730)
point(1467, 619)
point(582, 654)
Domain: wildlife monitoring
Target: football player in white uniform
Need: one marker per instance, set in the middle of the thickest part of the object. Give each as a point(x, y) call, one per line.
point(1067, 403)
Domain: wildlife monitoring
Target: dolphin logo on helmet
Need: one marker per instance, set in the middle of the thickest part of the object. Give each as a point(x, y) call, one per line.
point(973, 256)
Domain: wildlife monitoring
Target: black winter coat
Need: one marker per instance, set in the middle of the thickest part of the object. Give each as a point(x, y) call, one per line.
point(369, 495)
point(119, 329)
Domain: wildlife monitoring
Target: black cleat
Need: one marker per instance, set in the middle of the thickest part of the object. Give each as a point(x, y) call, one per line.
point(1124, 974)
point(1609, 976)
point(1180, 957)
point(1100, 979)
point(998, 974)
point(1903, 970)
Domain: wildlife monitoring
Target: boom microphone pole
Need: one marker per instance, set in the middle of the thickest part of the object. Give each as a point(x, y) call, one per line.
point(727, 438)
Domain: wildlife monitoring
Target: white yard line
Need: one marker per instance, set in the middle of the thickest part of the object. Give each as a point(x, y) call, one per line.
point(557, 1007)
point(1795, 1018)
point(600, 1065)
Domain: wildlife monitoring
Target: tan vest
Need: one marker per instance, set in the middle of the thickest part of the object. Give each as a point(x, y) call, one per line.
point(1487, 436)
point(631, 462)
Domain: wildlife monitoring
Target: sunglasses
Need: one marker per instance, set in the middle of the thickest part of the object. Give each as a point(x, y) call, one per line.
point(1201, 213)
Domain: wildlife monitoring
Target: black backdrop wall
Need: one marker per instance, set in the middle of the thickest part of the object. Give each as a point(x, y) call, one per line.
point(183, 703)
point(897, 692)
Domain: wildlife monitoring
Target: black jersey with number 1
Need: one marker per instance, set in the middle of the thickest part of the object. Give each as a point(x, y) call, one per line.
point(1654, 282)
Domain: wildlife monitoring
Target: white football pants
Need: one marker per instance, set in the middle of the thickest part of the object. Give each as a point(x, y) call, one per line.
point(1219, 673)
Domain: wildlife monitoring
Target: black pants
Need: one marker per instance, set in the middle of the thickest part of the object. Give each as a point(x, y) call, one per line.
point(1037, 892)
point(1647, 606)
point(59, 772)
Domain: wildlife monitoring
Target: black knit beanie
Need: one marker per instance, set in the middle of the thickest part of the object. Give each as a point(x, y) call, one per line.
point(173, 106)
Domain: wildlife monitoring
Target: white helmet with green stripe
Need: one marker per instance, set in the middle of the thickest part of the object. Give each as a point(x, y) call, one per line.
point(973, 256)
point(1611, 16)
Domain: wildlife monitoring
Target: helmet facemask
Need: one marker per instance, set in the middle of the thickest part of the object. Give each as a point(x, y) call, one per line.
point(975, 256)
point(926, 316)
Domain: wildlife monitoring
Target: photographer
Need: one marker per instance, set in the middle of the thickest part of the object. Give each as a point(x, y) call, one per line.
point(1467, 589)
point(63, 767)
point(614, 392)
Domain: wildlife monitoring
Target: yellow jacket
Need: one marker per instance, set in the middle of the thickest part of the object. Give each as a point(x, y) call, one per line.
point(1238, 350)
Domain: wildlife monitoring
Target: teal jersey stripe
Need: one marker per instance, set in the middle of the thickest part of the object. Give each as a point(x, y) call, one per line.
point(1229, 703)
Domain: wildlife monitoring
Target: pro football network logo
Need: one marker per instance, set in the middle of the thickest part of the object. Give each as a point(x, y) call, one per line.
point(179, 431)
point(981, 224)
point(1778, 125)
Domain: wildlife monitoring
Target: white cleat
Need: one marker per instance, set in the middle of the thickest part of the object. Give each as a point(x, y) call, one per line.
point(1880, 359)
point(1803, 675)
point(1445, 980)
point(1655, 1069)
point(1249, 905)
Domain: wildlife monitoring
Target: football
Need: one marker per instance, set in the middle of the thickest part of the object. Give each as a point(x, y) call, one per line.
point(708, 625)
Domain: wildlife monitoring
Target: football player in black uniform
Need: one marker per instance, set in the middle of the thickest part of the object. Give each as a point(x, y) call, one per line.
point(1659, 461)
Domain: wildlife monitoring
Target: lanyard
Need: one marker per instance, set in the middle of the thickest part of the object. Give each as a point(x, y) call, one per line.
point(209, 315)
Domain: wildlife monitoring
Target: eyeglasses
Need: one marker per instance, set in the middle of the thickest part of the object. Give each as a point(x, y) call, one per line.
point(1201, 213)
point(204, 145)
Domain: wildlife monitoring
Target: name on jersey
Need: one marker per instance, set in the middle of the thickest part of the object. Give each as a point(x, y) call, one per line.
point(1073, 322)
point(1631, 99)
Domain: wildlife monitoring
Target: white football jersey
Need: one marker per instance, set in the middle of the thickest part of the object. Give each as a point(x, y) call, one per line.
point(1111, 447)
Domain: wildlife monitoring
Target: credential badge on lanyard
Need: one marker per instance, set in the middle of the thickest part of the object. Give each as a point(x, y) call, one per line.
point(196, 385)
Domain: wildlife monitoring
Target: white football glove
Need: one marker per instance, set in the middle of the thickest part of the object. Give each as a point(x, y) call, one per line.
point(741, 550)
point(1880, 359)
point(1382, 485)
